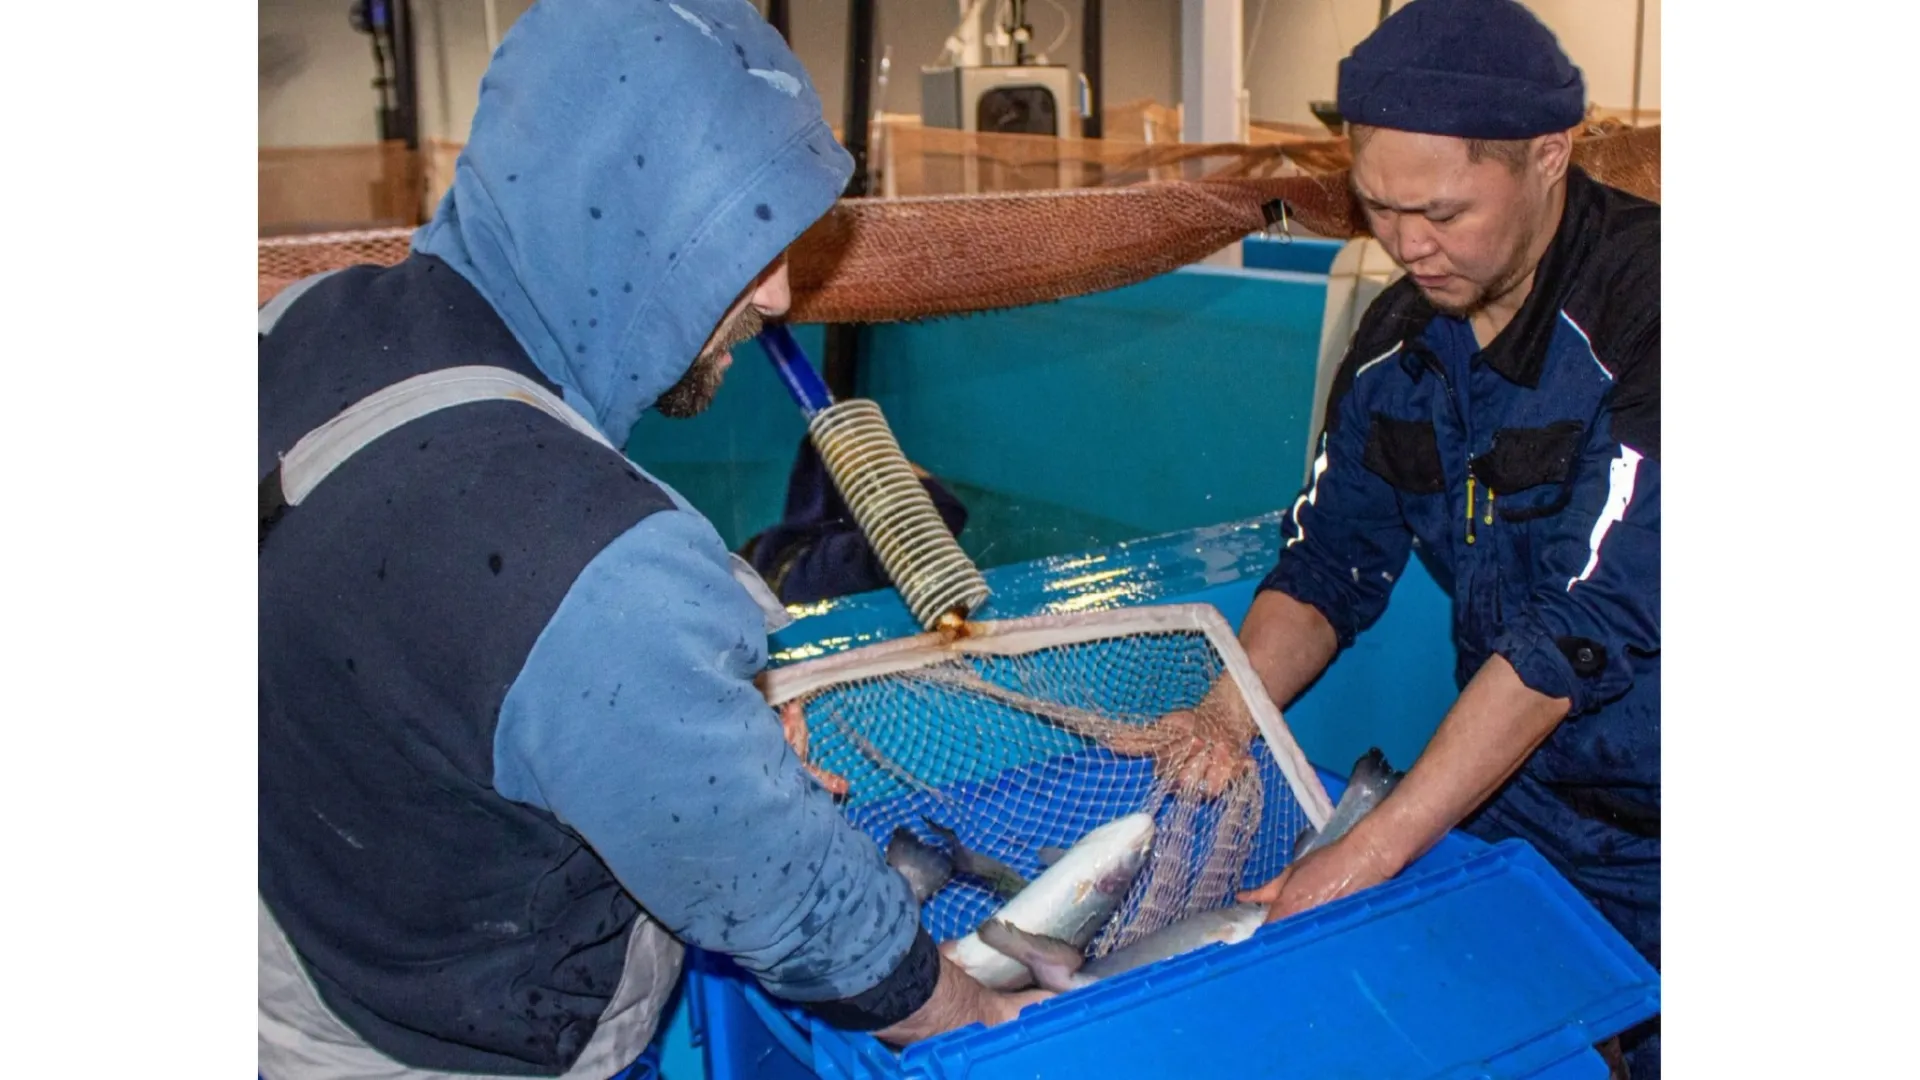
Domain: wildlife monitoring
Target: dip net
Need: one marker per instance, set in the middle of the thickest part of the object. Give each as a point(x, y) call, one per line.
point(1006, 736)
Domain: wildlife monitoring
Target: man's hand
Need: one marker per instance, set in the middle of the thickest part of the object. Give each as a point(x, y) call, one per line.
point(1206, 749)
point(958, 1000)
point(793, 724)
point(1203, 750)
point(1342, 868)
point(1495, 723)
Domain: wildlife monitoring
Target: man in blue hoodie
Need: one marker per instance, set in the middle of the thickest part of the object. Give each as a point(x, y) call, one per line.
point(511, 753)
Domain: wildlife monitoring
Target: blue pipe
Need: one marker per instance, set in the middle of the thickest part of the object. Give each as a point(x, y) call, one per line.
point(794, 369)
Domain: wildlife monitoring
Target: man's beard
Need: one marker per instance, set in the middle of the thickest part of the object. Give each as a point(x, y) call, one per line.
point(694, 392)
point(1512, 276)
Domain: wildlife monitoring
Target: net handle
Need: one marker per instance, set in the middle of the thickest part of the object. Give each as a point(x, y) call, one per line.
point(1014, 637)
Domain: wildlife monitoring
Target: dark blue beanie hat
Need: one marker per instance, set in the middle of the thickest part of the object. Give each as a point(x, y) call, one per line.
point(1474, 69)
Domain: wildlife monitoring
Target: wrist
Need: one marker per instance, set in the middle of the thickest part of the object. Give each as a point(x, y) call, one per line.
point(1224, 712)
point(1389, 838)
point(956, 1001)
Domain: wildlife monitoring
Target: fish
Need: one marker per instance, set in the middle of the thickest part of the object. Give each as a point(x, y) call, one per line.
point(1003, 879)
point(927, 871)
point(1068, 902)
point(1059, 966)
point(1371, 781)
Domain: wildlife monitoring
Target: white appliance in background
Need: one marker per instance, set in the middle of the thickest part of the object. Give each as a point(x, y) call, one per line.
point(978, 87)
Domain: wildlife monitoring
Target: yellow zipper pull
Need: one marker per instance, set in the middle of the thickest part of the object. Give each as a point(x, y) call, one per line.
point(1469, 508)
point(1488, 520)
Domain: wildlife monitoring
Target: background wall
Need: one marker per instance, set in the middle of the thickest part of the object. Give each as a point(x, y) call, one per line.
point(316, 70)
point(1142, 43)
point(1295, 46)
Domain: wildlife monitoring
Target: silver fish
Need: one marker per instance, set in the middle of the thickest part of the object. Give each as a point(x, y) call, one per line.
point(1059, 966)
point(1371, 782)
point(1070, 901)
point(927, 871)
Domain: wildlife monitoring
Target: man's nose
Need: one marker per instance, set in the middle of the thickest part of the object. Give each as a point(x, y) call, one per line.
point(774, 295)
point(1414, 240)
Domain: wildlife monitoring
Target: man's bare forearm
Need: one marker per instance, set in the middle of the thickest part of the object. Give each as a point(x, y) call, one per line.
point(1492, 728)
point(1288, 643)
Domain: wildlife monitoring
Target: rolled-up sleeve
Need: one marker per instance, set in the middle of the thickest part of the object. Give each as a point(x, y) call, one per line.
point(1597, 604)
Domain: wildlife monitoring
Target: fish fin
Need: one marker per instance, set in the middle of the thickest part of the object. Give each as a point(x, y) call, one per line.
point(1050, 855)
point(1374, 768)
point(1003, 879)
point(1054, 963)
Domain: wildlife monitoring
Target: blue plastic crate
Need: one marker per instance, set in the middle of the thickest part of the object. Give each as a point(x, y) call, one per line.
point(738, 1028)
point(1475, 962)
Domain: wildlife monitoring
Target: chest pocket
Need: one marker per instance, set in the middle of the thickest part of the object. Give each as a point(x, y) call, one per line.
point(1530, 470)
point(1406, 454)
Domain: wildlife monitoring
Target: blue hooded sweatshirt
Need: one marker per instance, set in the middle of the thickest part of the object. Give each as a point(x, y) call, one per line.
point(507, 705)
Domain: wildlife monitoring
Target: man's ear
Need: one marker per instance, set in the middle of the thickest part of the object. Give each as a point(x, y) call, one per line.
point(1551, 155)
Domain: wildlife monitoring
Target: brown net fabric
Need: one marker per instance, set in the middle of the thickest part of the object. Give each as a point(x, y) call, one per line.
point(979, 222)
point(1141, 212)
point(285, 260)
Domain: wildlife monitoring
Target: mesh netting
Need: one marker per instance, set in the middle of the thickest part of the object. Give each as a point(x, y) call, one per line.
point(285, 260)
point(1003, 736)
point(1069, 217)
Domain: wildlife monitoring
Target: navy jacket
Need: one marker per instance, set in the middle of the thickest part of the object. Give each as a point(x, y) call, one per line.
point(1528, 475)
point(506, 678)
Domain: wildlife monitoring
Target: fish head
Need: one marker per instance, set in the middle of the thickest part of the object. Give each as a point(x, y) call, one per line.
point(1121, 847)
point(1239, 922)
point(926, 870)
point(1055, 964)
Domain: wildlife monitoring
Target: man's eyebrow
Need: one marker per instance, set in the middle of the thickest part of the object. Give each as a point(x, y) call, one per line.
point(1442, 205)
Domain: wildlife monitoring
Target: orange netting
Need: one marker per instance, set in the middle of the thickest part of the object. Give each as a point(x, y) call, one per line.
point(977, 222)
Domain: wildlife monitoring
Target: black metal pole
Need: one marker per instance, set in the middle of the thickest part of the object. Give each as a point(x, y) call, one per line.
point(406, 95)
point(1090, 67)
point(778, 18)
point(842, 364)
point(860, 19)
point(406, 73)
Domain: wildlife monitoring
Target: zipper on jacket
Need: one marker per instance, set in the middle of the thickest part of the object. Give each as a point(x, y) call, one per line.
point(1433, 363)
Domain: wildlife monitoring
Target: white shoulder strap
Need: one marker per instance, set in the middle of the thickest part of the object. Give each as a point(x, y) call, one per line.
point(325, 447)
point(271, 311)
